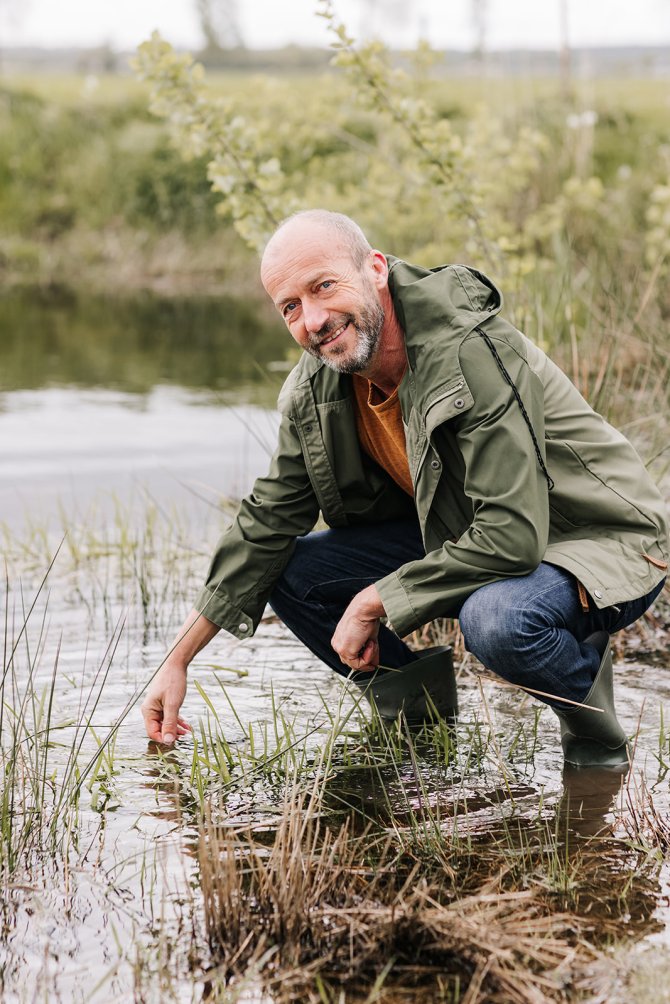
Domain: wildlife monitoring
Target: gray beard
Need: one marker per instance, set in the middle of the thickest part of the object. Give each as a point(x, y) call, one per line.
point(368, 329)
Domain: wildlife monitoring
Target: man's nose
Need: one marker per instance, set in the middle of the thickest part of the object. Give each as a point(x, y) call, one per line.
point(315, 315)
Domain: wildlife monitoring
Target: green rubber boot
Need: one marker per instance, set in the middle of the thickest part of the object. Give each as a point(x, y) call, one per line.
point(420, 689)
point(593, 738)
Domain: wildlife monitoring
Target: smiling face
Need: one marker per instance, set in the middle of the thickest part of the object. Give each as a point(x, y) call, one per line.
point(332, 308)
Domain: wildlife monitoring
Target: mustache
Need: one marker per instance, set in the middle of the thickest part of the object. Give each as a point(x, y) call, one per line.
point(316, 337)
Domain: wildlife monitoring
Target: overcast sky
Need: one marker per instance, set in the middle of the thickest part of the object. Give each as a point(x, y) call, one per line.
point(268, 23)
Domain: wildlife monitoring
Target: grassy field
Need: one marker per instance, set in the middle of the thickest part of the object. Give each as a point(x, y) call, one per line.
point(89, 177)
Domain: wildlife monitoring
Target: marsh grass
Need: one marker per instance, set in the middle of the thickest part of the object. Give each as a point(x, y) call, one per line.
point(41, 753)
point(54, 751)
point(328, 855)
point(646, 826)
point(139, 558)
point(372, 878)
point(351, 908)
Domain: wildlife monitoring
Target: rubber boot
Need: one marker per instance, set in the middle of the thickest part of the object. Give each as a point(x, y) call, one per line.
point(420, 689)
point(593, 738)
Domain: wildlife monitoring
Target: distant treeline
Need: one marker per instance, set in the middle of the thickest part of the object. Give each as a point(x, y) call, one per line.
point(596, 61)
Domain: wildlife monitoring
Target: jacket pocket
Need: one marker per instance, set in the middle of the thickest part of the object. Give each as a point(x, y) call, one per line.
point(560, 521)
point(447, 403)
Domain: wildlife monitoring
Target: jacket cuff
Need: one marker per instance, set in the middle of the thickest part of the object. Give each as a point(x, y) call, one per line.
point(218, 609)
point(401, 615)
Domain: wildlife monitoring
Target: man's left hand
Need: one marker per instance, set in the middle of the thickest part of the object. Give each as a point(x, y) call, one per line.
point(355, 638)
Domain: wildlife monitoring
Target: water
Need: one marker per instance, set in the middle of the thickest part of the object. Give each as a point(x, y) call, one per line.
point(99, 399)
point(109, 409)
point(53, 337)
point(63, 448)
point(127, 425)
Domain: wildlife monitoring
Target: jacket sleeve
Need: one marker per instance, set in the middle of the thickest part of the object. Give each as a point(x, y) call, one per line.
point(504, 482)
point(252, 553)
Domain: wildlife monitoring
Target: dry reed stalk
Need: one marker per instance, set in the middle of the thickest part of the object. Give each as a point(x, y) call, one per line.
point(331, 903)
point(643, 823)
point(442, 631)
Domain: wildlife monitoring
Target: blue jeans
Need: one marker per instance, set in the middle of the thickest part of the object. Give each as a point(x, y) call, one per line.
point(530, 630)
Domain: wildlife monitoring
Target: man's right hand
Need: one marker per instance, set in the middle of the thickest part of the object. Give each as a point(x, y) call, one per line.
point(163, 700)
point(167, 690)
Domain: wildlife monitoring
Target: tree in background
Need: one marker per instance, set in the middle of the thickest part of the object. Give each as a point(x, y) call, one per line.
point(13, 10)
point(219, 21)
point(480, 24)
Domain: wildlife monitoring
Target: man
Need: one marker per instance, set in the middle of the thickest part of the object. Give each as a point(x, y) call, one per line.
point(461, 474)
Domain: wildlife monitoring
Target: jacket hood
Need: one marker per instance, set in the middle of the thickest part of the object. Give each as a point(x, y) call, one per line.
point(452, 298)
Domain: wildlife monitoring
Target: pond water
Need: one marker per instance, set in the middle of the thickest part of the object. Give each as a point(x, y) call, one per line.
point(125, 426)
point(100, 398)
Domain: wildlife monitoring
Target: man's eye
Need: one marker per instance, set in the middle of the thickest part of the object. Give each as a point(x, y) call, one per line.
point(288, 308)
point(327, 283)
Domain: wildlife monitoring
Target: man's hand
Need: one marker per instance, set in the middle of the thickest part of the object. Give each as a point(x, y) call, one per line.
point(355, 638)
point(163, 700)
point(167, 690)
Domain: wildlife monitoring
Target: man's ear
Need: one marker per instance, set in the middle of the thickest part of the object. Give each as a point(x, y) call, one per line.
point(380, 269)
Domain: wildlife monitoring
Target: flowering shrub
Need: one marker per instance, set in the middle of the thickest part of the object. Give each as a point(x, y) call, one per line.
point(657, 241)
point(489, 188)
point(571, 221)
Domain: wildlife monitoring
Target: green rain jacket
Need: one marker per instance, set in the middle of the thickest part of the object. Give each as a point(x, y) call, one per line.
point(481, 405)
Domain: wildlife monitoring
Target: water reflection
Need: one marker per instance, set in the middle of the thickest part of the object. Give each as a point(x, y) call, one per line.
point(56, 337)
point(588, 799)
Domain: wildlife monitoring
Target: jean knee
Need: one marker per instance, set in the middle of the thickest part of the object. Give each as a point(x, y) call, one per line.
point(477, 629)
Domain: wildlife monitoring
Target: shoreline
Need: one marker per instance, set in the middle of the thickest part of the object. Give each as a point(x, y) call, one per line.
point(118, 261)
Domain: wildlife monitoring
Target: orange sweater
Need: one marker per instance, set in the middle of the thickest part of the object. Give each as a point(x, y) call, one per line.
point(380, 430)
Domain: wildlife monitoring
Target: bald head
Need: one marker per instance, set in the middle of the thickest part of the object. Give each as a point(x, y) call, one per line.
point(330, 287)
point(331, 229)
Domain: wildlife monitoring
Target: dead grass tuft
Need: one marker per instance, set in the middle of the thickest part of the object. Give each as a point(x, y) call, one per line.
point(645, 825)
point(323, 904)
